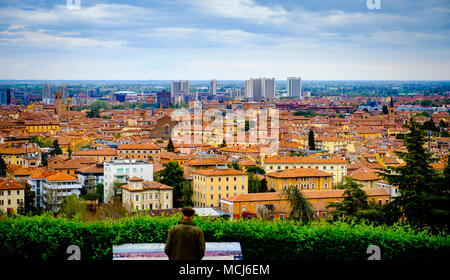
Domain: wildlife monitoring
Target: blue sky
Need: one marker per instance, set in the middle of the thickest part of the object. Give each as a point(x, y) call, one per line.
point(225, 40)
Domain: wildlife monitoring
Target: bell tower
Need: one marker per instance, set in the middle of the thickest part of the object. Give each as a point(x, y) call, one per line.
point(391, 111)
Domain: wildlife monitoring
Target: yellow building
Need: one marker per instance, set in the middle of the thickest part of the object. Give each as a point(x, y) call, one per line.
point(146, 195)
point(22, 156)
point(369, 133)
point(302, 178)
point(38, 126)
point(100, 155)
point(337, 167)
point(211, 185)
point(12, 195)
point(367, 178)
point(138, 151)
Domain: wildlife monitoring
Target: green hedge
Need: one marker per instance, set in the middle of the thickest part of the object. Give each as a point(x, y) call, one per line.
point(47, 238)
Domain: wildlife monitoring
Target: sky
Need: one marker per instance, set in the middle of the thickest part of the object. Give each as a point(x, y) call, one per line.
point(225, 40)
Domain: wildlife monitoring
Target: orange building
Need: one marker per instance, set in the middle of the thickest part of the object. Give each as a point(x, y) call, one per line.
point(278, 206)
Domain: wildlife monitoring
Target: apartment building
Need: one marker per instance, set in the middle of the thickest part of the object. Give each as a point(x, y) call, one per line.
point(120, 170)
point(211, 185)
point(302, 178)
point(335, 166)
point(146, 195)
point(12, 195)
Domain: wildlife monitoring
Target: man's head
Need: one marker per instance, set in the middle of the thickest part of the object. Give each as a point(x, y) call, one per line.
point(187, 213)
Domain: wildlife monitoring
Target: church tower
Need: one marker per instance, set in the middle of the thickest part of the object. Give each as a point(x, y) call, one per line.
point(59, 106)
point(391, 111)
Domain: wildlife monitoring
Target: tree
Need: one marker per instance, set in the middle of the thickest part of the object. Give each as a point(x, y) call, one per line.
point(72, 205)
point(187, 194)
point(224, 144)
point(56, 148)
point(424, 194)
point(300, 208)
point(30, 196)
point(170, 147)
point(311, 142)
point(93, 113)
point(99, 191)
point(69, 151)
point(114, 209)
point(172, 175)
point(430, 125)
point(51, 200)
point(256, 170)
point(3, 167)
point(234, 165)
point(254, 185)
point(354, 200)
point(44, 157)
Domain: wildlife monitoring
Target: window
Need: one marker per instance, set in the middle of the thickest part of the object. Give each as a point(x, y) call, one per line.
point(18, 192)
point(137, 197)
point(212, 179)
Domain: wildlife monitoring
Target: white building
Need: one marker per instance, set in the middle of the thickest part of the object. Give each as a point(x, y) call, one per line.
point(213, 89)
point(294, 86)
point(268, 88)
point(53, 185)
point(121, 170)
point(179, 89)
point(260, 87)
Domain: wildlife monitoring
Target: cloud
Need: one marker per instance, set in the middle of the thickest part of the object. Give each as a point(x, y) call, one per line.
point(243, 9)
point(42, 39)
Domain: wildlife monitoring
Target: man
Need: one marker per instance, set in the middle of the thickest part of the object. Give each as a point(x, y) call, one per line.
point(185, 240)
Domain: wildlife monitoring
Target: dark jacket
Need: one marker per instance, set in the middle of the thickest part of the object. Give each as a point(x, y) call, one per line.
point(185, 242)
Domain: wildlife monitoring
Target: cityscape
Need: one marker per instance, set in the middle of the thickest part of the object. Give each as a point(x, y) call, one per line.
point(265, 149)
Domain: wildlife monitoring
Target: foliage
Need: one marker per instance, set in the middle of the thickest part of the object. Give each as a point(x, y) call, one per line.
point(255, 170)
point(72, 205)
point(170, 147)
point(187, 194)
point(56, 148)
point(424, 194)
point(234, 165)
point(93, 113)
point(3, 167)
point(255, 185)
point(99, 189)
point(354, 200)
point(43, 142)
point(300, 207)
point(173, 176)
point(311, 141)
point(308, 113)
point(47, 238)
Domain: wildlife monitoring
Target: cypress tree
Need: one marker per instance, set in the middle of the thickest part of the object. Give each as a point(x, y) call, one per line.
point(311, 142)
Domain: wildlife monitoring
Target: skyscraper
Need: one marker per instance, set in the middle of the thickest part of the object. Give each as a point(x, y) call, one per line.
point(268, 87)
point(213, 88)
point(47, 93)
point(179, 89)
point(5, 96)
point(63, 90)
point(294, 85)
point(260, 87)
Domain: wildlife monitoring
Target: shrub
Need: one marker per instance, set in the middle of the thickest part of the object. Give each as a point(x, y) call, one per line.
point(47, 238)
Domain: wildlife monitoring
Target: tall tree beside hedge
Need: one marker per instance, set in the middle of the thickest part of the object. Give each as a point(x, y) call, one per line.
point(300, 207)
point(424, 195)
point(172, 175)
point(354, 200)
point(311, 142)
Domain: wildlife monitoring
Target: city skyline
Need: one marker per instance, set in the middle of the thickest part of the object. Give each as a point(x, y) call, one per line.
point(227, 40)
